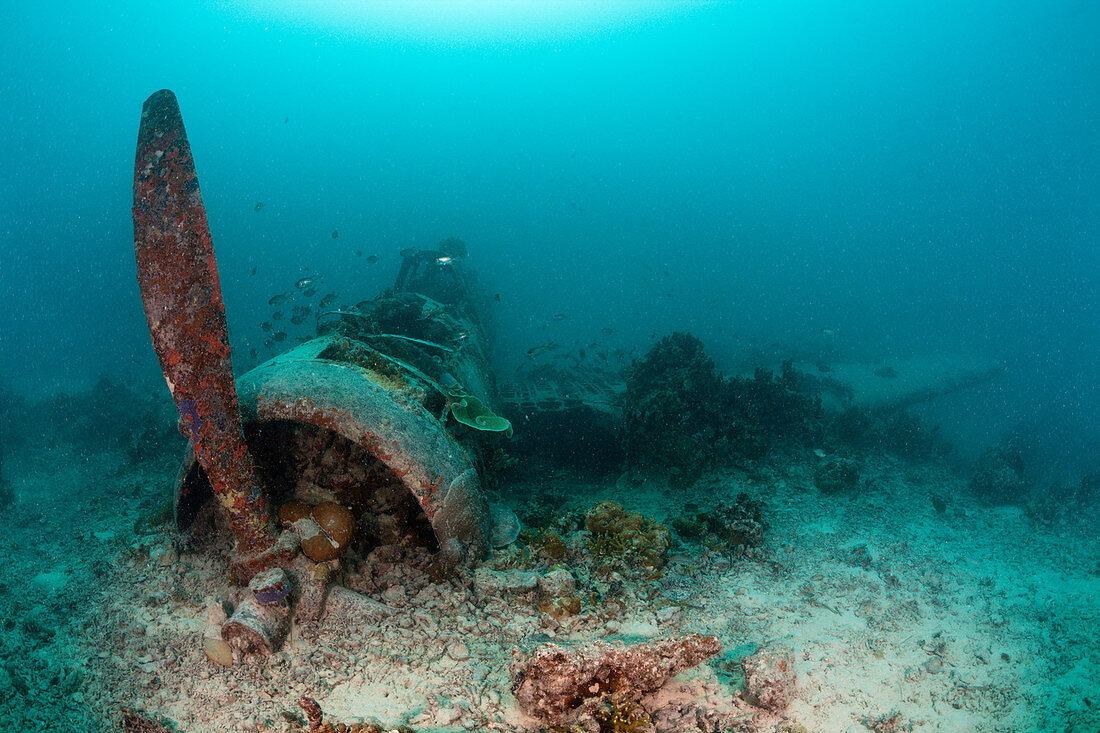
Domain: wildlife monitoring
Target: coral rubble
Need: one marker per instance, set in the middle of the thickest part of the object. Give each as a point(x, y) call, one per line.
point(556, 683)
point(770, 679)
point(315, 722)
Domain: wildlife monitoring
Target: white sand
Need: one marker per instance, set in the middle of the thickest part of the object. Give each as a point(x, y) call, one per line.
point(971, 620)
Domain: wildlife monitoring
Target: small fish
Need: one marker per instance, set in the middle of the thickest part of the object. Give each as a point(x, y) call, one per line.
point(304, 283)
point(371, 259)
point(259, 206)
point(301, 310)
point(536, 350)
point(266, 326)
point(253, 270)
point(329, 300)
point(335, 234)
point(269, 344)
point(497, 298)
point(278, 299)
point(358, 253)
point(580, 353)
point(278, 336)
point(607, 331)
point(559, 317)
point(252, 353)
point(277, 316)
point(309, 292)
point(298, 320)
point(363, 305)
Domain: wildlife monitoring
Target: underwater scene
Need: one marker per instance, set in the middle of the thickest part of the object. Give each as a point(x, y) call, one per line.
point(623, 366)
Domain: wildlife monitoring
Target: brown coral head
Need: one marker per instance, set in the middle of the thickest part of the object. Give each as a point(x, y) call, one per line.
point(326, 532)
point(336, 521)
point(292, 511)
point(560, 608)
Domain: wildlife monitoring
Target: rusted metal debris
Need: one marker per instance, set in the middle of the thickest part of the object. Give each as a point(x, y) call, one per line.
point(178, 277)
point(360, 422)
point(385, 415)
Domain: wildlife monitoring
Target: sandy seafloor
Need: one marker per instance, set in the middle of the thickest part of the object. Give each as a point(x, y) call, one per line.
point(974, 619)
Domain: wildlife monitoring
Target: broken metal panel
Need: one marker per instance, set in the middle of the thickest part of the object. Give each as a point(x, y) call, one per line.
point(564, 393)
point(178, 277)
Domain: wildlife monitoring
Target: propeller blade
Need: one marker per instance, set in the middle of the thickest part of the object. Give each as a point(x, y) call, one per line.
point(178, 276)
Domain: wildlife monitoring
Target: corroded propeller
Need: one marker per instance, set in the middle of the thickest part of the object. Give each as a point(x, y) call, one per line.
point(178, 277)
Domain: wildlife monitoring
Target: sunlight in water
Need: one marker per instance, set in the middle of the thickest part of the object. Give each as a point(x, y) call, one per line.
point(462, 21)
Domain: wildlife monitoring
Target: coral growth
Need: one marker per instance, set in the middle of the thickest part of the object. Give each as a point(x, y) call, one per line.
point(672, 413)
point(681, 416)
point(998, 476)
point(540, 505)
point(333, 528)
point(630, 536)
point(560, 608)
point(549, 544)
point(769, 410)
point(558, 684)
point(726, 526)
point(897, 432)
point(623, 716)
point(835, 475)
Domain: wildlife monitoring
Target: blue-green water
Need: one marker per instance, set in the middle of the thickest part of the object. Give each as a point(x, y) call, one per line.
point(785, 178)
point(919, 177)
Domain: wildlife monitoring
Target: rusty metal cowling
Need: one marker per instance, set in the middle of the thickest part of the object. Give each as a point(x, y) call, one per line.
point(386, 417)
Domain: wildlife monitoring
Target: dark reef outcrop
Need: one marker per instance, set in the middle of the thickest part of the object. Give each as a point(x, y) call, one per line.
point(681, 417)
point(998, 476)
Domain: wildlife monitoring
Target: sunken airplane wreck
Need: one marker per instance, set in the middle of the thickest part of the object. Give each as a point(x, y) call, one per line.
point(376, 431)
